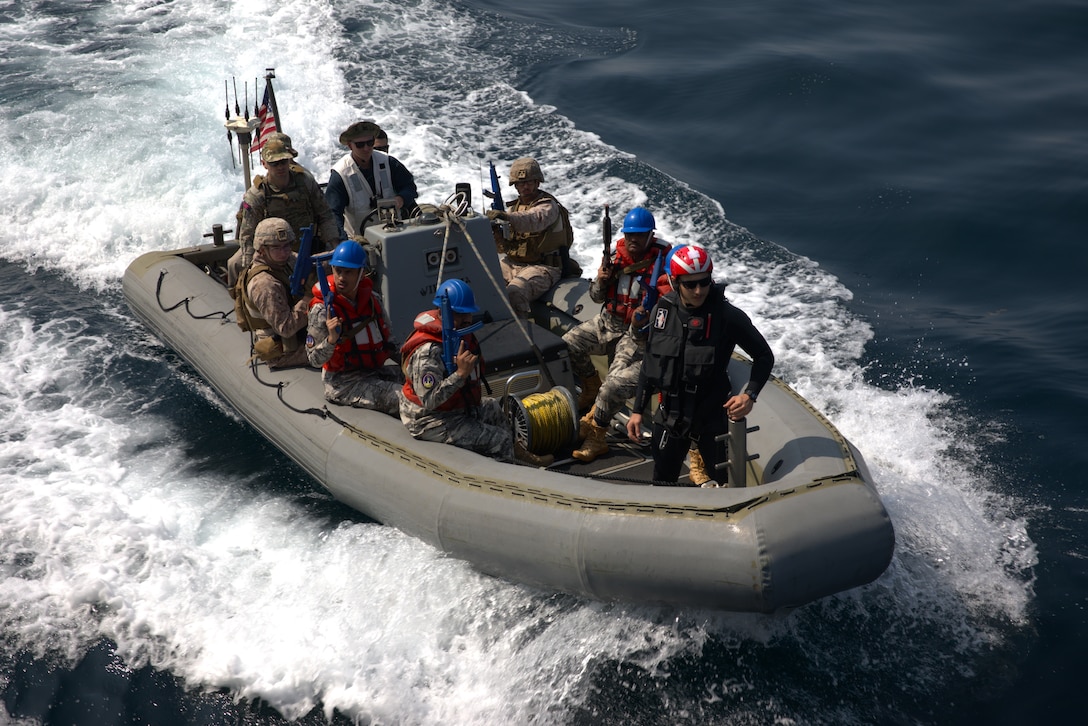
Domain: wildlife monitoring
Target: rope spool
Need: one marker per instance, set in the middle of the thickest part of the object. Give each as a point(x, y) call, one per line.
point(545, 422)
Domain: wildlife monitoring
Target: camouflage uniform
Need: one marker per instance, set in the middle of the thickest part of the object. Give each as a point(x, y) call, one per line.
point(373, 388)
point(622, 379)
point(526, 282)
point(540, 232)
point(271, 300)
point(484, 429)
point(301, 203)
point(596, 336)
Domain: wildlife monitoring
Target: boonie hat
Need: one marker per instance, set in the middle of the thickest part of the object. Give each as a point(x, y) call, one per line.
point(358, 130)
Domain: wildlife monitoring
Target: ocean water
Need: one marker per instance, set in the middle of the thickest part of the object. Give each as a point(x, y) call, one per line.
point(894, 192)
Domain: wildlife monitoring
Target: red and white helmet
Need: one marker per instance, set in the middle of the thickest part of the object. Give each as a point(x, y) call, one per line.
point(689, 260)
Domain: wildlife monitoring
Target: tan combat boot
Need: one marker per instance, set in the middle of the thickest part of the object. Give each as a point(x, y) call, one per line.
point(590, 387)
point(527, 457)
point(697, 468)
point(585, 424)
point(594, 445)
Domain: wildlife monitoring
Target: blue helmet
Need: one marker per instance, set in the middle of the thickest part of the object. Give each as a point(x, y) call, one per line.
point(348, 254)
point(461, 298)
point(638, 219)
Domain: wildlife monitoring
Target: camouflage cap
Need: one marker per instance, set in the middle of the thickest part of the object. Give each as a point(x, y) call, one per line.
point(359, 130)
point(525, 169)
point(278, 146)
point(272, 231)
point(285, 139)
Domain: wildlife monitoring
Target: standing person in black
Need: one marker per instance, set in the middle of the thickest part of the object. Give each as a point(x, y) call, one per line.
point(693, 332)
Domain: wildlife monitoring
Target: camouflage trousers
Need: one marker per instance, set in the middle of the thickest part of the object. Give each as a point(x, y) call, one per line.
point(622, 379)
point(597, 336)
point(526, 282)
point(485, 431)
point(374, 388)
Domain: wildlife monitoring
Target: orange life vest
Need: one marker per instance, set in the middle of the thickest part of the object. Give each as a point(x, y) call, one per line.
point(626, 290)
point(428, 329)
point(365, 339)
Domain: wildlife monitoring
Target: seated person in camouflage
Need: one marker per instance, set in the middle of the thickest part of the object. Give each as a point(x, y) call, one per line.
point(263, 300)
point(540, 235)
point(352, 342)
point(363, 176)
point(621, 285)
point(448, 406)
point(286, 191)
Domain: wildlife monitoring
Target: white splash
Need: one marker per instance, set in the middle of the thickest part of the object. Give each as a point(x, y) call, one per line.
point(109, 530)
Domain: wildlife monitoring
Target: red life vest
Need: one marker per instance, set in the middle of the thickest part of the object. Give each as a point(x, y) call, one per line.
point(625, 292)
point(428, 329)
point(365, 334)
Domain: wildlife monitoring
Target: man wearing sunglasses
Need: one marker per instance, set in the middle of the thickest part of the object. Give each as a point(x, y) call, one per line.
point(363, 176)
point(381, 141)
point(693, 332)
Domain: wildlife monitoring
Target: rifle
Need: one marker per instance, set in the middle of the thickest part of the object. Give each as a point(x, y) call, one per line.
point(451, 336)
point(606, 230)
point(304, 263)
point(323, 280)
point(496, 191)
point(650, 293)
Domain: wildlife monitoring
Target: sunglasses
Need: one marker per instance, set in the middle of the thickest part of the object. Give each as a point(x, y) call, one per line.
point(694, 284)
point(380, 148)
point(281, 162)
point(362, 144)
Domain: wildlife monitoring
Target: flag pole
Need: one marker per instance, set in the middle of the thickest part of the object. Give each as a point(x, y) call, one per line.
point(269, 74)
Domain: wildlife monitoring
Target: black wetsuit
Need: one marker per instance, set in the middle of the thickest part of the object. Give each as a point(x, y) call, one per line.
point(687, 358)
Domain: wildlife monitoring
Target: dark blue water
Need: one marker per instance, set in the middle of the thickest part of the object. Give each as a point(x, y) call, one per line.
point(910, 180)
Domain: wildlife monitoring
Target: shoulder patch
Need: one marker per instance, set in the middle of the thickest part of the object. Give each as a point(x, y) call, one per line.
point(428, 381)
point(661, 318)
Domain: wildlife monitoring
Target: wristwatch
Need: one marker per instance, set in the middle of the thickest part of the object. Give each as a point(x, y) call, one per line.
point(750, 394)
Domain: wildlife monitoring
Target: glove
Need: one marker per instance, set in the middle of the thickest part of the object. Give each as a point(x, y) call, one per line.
point(495, 214)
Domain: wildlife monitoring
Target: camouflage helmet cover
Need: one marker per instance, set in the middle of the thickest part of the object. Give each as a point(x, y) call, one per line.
point(272, 231)
point(525, 169)
point(278, 146)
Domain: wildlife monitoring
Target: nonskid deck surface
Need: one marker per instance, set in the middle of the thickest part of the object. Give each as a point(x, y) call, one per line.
point(625, 463)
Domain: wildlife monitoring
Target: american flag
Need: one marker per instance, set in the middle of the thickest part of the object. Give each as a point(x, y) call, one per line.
point(266, 126)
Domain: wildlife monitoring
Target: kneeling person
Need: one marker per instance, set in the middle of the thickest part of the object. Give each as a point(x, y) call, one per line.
point(448, 406)
point(263, 300)
point(353, 342)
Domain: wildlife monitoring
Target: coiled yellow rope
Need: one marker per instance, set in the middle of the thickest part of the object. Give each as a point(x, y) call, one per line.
point(545, 422)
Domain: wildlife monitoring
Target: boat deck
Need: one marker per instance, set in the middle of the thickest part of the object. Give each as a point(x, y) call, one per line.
point(625, 463)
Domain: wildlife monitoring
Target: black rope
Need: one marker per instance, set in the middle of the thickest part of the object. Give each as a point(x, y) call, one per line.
point(254, 364)
point(185, 302)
